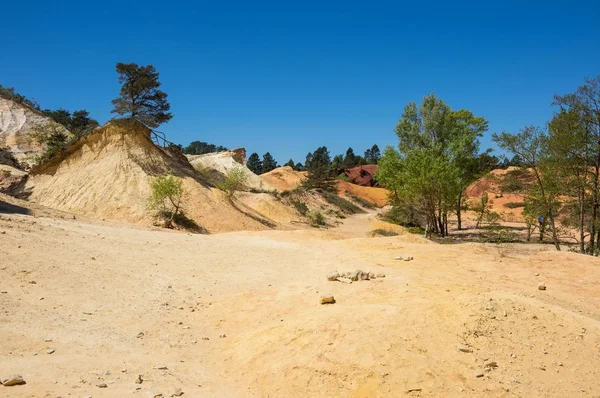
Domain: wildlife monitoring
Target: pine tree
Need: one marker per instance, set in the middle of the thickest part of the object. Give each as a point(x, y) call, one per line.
point(254, 163)
point(140, 97)
point(268, 163)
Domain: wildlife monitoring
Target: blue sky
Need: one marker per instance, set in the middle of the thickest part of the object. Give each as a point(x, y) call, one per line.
point(288, 77)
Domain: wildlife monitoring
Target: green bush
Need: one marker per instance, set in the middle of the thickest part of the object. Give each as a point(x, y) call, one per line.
point(167, 198)
point(416, 230)
point(404, 215)
point(6, 173)
point(343, 177)
point(384, 232)
point(300, 206)
point(234, 181)
point(317, 219)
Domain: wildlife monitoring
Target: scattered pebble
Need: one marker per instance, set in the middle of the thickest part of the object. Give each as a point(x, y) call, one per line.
point(139, 380)
point(327, 300)
point(102, 385)
point(140, 335)
point(490, 364)
point(50, 351)
point(222, 336)
point(479, 373)
point(541, 286)
point(464, 348)
point(177, 393)
point(333, 275)
point(161, 367)
point(414, 390)
point(344, 280)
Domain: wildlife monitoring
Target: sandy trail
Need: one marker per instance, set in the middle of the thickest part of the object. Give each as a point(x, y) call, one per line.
point(96, 287)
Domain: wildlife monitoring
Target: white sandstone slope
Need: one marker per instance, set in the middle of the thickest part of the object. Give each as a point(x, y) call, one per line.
point(16, 127)
point(220, 163)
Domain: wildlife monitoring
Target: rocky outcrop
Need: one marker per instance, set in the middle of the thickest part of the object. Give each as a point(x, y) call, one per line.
point(362, 175)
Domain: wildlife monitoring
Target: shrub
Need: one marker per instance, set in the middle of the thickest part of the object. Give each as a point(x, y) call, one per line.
point(300, 206)
point(317, 219)
point(167, 197)
point(384, 232)
point(402, 214)
point(343, 177)
point(416, 230)
point(6, 173)
point(234, 181)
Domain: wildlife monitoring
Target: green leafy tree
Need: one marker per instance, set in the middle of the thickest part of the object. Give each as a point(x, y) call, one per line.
point(140, 96)
point(531, 145)
point(254, 163)
point(308, 160)
point(268, 163)
point(299, 167)
point(290, 163)
point(167, 198)
point(583, 121)
point(432, 167)
point(235, 180)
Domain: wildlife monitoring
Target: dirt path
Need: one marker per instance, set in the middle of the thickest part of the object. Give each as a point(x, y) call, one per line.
point(97, 288)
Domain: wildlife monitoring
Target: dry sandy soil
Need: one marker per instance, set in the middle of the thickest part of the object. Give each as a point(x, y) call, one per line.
point(238, 314)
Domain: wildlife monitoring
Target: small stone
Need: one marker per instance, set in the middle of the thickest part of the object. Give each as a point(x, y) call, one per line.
point(177, 393)
point(107, 373)
point(414, 390)
point(464, 348)
point(32, 282)
point(222, 336)
point(48, 340)
point(537, 274)
point(333, 275)
point(381, 275)
point(479, 373)
point(161, 367)
point(490, 364)
point(205, 338)
point(50, 351)
point(327, 300)
point(344, 280)
point(14, 380)
point(140, 335)
point(139, 380)
point(372, 275)
point(541, 286)
point(355, 275)
point(102, 385)
point(408, 258)
point(123, 370)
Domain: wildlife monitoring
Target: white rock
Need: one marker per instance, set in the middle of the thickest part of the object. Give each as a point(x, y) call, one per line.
point(13, 380)
point(464, 348)
point(333, 275)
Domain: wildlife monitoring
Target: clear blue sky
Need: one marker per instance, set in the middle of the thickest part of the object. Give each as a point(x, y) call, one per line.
point(288, 77)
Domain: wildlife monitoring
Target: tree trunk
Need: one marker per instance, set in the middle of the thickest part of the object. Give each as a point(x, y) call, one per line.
point(458, 211)
point(554, 236)
point(581, 220)
point(594, 210)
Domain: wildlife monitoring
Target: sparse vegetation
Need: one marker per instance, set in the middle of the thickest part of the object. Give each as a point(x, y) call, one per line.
point(344, 205)
point(167, 198)
point(300, 206)
point(234, 181)
point(514, 205)
point(53, 136)
point(363, 202)
point(6, 173)
point(317, 219)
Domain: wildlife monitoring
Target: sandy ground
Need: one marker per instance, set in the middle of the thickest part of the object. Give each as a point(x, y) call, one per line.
point(114, 303)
